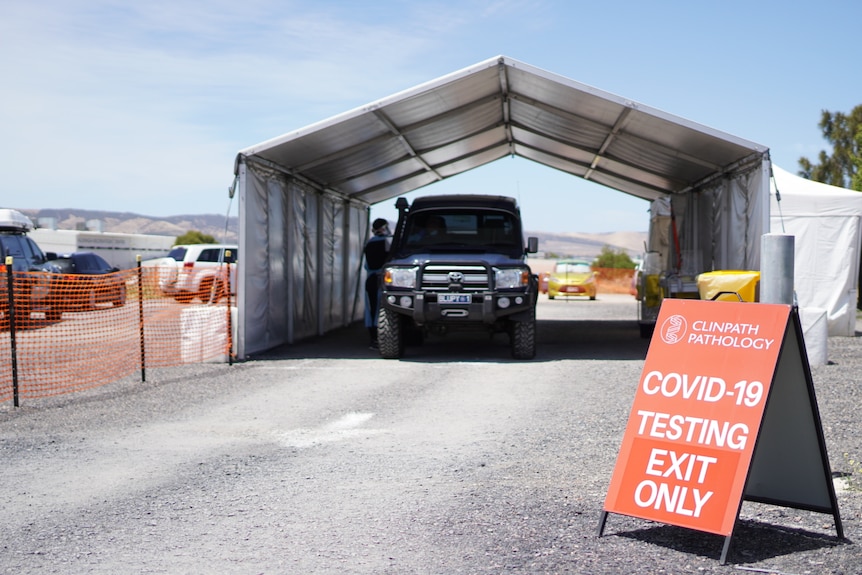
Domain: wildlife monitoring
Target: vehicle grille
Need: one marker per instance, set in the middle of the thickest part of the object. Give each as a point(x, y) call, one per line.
point(438, 277)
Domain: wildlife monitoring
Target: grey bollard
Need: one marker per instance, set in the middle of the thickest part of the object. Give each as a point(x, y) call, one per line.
point(776, 268)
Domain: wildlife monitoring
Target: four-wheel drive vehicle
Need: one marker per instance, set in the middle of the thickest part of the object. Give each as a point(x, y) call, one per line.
point(458, 263)
point(31, 270)
point(197, 271)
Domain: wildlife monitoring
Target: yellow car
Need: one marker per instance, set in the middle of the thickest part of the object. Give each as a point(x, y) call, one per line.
point(572, 278)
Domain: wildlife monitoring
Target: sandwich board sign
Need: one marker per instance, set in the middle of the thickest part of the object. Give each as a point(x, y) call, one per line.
point(724, 412)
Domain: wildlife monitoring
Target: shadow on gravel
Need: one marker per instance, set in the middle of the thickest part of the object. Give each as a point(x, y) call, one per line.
point(556, 340)
point(752, 541)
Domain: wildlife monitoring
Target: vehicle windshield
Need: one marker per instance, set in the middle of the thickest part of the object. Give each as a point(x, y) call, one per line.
point(467, 228)
point(572, 268)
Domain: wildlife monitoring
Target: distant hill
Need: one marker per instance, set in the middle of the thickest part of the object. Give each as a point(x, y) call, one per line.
point(128, 223)
point(576, 244)
point(570, 244)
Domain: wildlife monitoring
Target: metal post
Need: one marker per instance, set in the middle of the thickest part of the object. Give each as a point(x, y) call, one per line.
point(229, 309)
point(141, 318)
point(10, 312)
point(776, 269)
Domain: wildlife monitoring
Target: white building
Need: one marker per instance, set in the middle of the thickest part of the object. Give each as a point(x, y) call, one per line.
point(120, 250)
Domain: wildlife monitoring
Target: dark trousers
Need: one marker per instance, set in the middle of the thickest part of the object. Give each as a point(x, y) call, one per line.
point(372, 294)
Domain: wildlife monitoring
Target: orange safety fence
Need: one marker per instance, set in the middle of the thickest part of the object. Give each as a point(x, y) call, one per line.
point(614, 280)
point(75, 332)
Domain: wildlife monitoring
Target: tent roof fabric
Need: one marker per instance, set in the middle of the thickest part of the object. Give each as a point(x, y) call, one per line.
point(497, 108)
point(810, 198)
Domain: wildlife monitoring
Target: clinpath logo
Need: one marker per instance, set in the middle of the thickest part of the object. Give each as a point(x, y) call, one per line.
point(713, 333)
point(673, 329)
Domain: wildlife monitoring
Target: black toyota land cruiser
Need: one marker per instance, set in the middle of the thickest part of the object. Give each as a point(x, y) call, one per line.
point(458, 262)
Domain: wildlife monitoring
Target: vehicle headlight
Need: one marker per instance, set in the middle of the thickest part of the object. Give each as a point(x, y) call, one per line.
point(511, 278)
point(404, 278)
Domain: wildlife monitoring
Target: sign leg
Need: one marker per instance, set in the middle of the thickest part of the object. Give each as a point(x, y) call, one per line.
point(725, 549)
point(602, 520)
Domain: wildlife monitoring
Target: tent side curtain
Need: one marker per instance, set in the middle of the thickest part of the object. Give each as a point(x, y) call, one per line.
point(296, 243)
point(709, 221)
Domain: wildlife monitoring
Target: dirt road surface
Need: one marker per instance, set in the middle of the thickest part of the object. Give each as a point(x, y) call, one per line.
point(323, 458)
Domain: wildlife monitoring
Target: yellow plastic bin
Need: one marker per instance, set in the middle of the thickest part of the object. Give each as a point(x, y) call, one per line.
point(744, 283)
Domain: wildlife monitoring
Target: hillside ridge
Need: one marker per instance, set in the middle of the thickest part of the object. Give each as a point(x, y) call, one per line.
point(553, 244)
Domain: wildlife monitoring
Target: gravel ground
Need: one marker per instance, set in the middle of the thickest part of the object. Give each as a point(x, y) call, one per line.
point(323, 458)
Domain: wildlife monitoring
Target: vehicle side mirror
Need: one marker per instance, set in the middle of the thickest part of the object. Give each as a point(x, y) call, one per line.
point(532, 245)
point(50, 255)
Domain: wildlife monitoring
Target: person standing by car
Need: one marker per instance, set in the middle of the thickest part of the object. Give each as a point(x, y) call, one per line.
point(376, 250)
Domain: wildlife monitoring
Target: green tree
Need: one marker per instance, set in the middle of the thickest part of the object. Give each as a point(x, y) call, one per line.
point(194, 237)
point(843, 167)
point(610, 258)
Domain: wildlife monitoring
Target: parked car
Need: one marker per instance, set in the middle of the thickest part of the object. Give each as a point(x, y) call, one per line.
point(572, 278)
point(197, 271)
point(30, 268)
point(87, 280)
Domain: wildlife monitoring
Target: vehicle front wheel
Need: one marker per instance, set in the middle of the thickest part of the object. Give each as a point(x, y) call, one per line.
point(390, 336)
point(205, 291)
point(524, 338)
point(120, 299)
point(184, 297)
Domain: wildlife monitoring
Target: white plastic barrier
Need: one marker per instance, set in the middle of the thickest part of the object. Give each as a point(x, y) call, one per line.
point(815, 330)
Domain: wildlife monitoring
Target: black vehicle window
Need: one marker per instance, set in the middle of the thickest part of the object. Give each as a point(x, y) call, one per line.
point(178, 254)
point(12, 247)
point(209, 255)
point(464, 227)
point(32, 252)
point(498, 229)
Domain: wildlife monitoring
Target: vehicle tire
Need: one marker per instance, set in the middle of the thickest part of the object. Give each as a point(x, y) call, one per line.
point(592, 298)
point(120, 300)
point(205, 291)
point(184, 297)
point(220, 291)
point(22, 315)
point(390, 338)
point(550, 296)
point(524, 338)
point(53, 315)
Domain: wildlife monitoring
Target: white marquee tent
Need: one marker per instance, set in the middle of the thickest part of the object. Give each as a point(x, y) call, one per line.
point(304, 196)
point(826, 222)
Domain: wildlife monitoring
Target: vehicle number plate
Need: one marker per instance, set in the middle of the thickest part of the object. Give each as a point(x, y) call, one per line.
point(453, 298)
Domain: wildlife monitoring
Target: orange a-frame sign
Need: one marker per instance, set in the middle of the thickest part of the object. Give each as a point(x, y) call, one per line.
point(701, 403)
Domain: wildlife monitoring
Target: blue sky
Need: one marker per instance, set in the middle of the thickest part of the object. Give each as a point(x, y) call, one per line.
point(142, 106)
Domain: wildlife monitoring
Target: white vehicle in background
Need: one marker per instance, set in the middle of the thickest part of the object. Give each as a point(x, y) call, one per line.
point(197, 271)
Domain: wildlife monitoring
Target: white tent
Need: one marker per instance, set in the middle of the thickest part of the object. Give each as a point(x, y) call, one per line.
point(826, 222)
point(304, 196)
